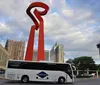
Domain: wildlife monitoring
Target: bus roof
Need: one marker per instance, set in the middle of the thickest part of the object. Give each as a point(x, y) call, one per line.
point(39, 61)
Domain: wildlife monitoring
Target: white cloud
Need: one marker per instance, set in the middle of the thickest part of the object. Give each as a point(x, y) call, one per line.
point(68, 13)
point(74, 28)
point(84, 14)
point(2, 42)
point(4, 28)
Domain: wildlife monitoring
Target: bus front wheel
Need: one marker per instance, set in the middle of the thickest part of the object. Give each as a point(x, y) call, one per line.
point(25, 79)
point(61, 80)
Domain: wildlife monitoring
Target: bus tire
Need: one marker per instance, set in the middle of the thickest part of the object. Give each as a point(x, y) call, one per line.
point(61, 80)
point(25, 79)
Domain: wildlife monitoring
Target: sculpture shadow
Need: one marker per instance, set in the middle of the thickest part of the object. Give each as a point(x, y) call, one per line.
point(34, 83)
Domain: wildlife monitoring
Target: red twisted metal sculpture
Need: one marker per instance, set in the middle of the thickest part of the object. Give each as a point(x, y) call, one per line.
point(40, 26)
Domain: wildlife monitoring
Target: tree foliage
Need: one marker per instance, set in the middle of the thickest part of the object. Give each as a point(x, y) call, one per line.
point(98, 67)
point(83, 63)
point(70, 61)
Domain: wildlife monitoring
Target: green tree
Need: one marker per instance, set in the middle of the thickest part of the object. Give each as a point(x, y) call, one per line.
point(70, 61)
point(84, 63)
point(98, 67)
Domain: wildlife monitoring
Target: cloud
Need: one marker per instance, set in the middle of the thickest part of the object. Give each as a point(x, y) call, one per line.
point(73, 23)
point(2, 42)
point(68, 13)
point(83, 14)
point(4, 28)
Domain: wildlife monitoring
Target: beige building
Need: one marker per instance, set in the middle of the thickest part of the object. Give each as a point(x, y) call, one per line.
point(57, 53)
point(3, 57)
point(46, 55)
point(15, 49)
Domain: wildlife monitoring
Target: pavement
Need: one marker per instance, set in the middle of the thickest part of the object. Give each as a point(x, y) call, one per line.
point(78, 81)
point(89, 81)
point(2, 76)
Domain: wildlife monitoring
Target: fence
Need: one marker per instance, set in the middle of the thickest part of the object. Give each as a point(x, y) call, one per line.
point(87, 73)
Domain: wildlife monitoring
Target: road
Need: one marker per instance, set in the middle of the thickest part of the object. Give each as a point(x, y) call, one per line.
point(92, 81)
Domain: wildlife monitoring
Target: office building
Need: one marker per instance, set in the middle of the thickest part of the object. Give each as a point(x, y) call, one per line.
point(15, 49)
point(57, 53)
point(46, 55)
point(3, 57)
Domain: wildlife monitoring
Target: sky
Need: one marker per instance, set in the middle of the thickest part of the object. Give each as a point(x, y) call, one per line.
point(73, 23)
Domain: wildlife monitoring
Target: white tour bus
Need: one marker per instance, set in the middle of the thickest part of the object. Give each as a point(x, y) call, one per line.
point(39, 71)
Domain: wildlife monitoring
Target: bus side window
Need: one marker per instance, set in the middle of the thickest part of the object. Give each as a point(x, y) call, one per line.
point(13, 64)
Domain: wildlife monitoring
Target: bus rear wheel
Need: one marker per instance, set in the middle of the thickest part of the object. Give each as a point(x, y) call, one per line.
point(25, 79)
point(61, 80)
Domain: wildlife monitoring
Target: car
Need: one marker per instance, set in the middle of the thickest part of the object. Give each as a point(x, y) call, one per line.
point(92, 74)
point(2, 71)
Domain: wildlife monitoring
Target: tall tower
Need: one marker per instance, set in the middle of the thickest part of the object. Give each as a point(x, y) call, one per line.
point(98, 46)
point(15, 49)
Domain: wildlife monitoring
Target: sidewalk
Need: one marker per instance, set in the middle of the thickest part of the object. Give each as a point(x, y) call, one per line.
point(2, 76)
point(78, 79)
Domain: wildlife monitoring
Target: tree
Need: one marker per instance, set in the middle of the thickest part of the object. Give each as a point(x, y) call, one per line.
point(84, 63)
point(70, 61)
point(98, 67)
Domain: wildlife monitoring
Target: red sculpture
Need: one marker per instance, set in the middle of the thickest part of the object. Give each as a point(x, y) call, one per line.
point(40, 26)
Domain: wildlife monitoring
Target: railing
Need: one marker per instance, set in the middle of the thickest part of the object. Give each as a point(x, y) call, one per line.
point(91, 73)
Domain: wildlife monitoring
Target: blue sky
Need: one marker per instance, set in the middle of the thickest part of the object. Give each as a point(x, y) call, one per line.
point(73, 23)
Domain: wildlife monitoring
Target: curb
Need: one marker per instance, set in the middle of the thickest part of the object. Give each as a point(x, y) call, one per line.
point(3, 78)
point(78, 79)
